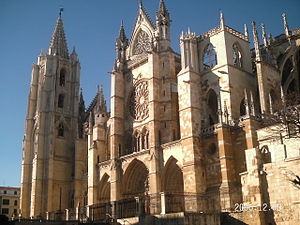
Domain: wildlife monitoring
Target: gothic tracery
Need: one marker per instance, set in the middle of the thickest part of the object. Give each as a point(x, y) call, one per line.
point(139, 105)
point(142, 43)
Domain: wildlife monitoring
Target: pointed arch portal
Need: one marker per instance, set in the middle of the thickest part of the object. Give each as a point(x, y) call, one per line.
point(172, 184)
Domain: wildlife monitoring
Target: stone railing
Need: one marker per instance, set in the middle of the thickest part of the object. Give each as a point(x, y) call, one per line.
point(236, 33)
point(211, 32)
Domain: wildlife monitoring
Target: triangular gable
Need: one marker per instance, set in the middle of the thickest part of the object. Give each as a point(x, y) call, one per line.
point(143, 22)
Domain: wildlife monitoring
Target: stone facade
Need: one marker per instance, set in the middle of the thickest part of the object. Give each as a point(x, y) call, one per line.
point(185, 141)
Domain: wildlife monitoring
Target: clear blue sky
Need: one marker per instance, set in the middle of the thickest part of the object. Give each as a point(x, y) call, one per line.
point(92, 26)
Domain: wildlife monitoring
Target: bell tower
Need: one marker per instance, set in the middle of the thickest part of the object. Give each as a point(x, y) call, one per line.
point(52, 131)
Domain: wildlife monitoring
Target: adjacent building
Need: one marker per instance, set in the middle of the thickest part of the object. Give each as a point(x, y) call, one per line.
point(188, 136)
point(9, 201)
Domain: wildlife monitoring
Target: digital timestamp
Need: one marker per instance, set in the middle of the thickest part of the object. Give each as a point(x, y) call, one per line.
point(241, 207)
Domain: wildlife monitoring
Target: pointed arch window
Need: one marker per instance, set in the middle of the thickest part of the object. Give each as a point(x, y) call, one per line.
point(287, 69)
point(60, 102)
point(237, 56)
point(209, 57)
point(142, 43)
point(60, 130)
point(243, 107)
point(62, 77)
point(212, 103)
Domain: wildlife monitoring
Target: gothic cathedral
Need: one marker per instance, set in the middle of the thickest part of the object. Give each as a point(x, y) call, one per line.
point(189, 138)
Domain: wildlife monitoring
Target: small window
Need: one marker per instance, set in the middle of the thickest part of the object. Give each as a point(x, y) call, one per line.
point(16, 202)
point(209, 57)
point(62, 78)
point(5, 211)
point(15, 211)
point(15, 193)
point(60, 103)
point(243, 107)
point(4, 192)
point(237, 56)
point(60, 132)
point(5, 201)
point(212, 149)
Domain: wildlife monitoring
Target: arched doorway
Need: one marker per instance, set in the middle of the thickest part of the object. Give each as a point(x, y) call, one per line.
point(172, 185)
point(103, 207)
point(135, 188)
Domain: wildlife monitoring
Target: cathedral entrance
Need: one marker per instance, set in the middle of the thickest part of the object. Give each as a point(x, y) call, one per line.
point(135, 184)
point(172, 185)
point(100, 210)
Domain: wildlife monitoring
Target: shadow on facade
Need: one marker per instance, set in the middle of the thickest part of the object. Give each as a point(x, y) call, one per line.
point(226, 219)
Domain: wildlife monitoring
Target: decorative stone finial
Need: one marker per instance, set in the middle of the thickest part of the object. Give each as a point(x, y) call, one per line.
point(256, 41)
point(246, 102)
point(222, 22)
point(246, 30)
point(264, 35)
point(285, 24)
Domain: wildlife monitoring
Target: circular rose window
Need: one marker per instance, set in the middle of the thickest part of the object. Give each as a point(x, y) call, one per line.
point(139, 105)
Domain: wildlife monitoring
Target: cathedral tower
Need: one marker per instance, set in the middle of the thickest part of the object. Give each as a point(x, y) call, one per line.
point(53, 131)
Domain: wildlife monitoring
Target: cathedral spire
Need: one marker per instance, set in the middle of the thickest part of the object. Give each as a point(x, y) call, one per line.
point(101, 103)
point(121, 44)
point(256, 42)
point(122, 34)
point(58, 43)
point(162, 8)
point(163, 25)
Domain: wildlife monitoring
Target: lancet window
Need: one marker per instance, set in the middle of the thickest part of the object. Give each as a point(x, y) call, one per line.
point(60, 130)
point(60, 102)
point(209, 57)
point(237, 56)
point(243, 107)
point(212, 103)
point(62, 78)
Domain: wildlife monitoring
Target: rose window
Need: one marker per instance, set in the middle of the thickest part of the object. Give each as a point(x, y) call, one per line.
point(139, 105)
point(142, 43)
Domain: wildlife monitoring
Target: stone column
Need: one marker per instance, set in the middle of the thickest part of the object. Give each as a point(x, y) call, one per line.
point(163, 202)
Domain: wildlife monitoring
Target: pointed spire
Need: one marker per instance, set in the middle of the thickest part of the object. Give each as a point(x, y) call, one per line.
point(141, 4)
point(222, 22)
point(256, 42)
point(121, 44)
point(220, 112)
point(252, 105)
point(73, 55)
point(264, 35)
point(286, 25)
point(101, 103)
point(226, 113)
point(162, 8)
point(58, 43)
point(81, 103)
point(246, 30)
point(246, 102)
point(122, 34)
